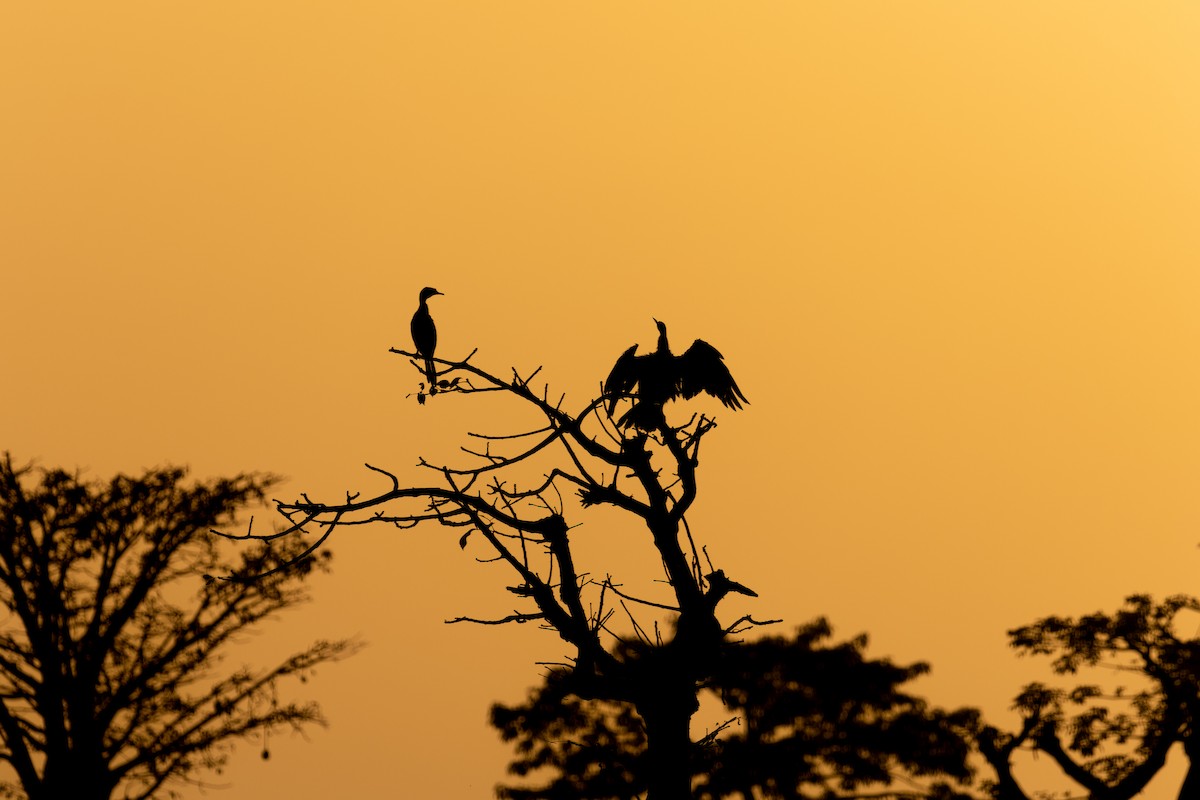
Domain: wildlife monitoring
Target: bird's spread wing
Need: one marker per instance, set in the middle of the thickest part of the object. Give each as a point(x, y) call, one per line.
point(622, 378)
point(702, 369)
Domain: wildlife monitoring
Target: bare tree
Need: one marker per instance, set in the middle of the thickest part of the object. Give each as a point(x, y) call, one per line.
point(113, 630)
point(653, 655)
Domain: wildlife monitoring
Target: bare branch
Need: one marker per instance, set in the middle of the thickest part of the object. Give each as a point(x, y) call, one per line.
point(609, 585)
point(517, 617)
point(750, 622)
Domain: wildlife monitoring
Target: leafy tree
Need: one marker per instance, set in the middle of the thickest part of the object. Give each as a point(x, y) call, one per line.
point(112, 632)
point(811, 719)
point(1110, 740)
point(512, 498)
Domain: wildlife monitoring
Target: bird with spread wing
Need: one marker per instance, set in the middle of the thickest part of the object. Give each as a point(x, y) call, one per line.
point(662, 376)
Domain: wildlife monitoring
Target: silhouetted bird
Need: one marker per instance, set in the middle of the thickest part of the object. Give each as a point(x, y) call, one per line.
point(719, 585)
point(424, 334)
point(661, 376)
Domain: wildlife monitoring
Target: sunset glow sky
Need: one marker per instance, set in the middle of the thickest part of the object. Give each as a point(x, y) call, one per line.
point(950, 251)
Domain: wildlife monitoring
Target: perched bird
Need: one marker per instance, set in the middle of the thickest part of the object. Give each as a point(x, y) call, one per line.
point(661, 376)
point(424, 334)
point(720, 585)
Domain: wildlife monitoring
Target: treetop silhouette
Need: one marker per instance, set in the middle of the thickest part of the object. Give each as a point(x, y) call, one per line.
point(1109, 740)
point(110, 676)
point(810, 719)
point(650, 652)
point(651, 476)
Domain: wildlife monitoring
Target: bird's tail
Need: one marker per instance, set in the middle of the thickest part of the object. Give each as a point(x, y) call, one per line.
point(431, 375)
point(646, 416)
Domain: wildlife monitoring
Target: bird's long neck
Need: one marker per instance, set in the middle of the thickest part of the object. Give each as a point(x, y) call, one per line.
point(663, 346)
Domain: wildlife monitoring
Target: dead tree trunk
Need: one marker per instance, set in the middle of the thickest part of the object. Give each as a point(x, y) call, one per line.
point(669, 743)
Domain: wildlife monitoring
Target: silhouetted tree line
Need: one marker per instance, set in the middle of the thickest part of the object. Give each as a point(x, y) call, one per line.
point(108, 681)
point(808, 719)
point(825, 722)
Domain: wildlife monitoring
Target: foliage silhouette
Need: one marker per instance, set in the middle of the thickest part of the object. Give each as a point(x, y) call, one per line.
point(810, 719)
point(110, 651)
point(568, 462)
point(1110, 740)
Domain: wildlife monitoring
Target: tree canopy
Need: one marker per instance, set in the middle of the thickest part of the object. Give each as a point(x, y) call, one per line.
point(810, 718)
point(1110, 735)
point(115, 629)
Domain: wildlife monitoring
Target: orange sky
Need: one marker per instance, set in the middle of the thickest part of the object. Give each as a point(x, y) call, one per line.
point(948, 249)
